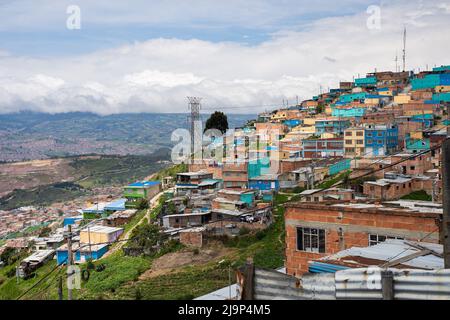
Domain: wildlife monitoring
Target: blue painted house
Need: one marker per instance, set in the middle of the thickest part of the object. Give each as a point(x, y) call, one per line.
point(82, 252)
point(292, 122)
point(331, 126)
point(265, 182)
point(380, 139)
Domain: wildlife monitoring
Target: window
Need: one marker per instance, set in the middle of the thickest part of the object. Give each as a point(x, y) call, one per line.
point(348, 141)
point(311, 240)
point(359, 133)
point(369, 141)
point(413, 168)
point(376, 239)
point(348, 133)
point(359, 142)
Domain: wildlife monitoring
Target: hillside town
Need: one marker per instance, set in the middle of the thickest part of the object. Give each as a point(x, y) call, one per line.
point(361, 165)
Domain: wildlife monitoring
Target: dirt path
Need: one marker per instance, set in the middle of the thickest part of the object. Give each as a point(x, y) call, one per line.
point(123, 239)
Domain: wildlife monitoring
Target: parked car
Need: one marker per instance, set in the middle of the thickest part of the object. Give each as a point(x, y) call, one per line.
point(247, 218)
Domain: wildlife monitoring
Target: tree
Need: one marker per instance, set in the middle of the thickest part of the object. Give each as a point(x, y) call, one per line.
point(218, 120)
point(45, 232)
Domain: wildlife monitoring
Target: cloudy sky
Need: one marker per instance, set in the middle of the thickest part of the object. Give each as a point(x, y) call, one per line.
point(240, 56)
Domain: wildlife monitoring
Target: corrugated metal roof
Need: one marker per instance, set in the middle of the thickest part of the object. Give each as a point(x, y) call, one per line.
point(227, 293)
point(388, 251)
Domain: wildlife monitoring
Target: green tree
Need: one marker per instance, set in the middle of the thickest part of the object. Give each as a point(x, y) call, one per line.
point(218, 120)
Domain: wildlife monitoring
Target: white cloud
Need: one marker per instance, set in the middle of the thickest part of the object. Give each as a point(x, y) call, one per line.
point(157, 75)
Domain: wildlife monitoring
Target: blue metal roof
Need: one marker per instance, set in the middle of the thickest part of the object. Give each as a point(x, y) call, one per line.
point(319, 267)
point(142, 184)
point(117, 205)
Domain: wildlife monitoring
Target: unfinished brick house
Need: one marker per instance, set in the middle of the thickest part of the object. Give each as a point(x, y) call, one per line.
point(317, 195)
point(235, 174)
point(414, 166)
point(314, 230)
point(396, 187)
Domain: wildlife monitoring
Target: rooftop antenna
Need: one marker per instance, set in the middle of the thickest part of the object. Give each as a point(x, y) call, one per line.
point(396, 61)
point(404, 49)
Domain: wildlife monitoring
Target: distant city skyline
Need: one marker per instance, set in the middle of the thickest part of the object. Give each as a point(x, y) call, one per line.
point(241, 56)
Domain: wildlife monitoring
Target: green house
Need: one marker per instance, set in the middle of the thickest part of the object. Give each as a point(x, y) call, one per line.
point(140, 190)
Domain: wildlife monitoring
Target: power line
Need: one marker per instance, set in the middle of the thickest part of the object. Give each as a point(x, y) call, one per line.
point(37, 283)
point(399, 254)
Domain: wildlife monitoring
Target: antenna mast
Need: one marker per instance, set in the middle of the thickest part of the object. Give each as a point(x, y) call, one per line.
point(404, 49)
point(194, 106)
point(396, 62)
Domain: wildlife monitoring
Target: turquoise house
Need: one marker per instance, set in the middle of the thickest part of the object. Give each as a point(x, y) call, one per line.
point(417, 145)
point(363, 82)
point(441, 68)
point(258, 167)
point(339, 167)
point(346, 98)
point(430, 81)
point(348, 112)
point(248, 197)
point(444, 96)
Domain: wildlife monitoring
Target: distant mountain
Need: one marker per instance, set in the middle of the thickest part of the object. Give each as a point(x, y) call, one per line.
point(30, 135)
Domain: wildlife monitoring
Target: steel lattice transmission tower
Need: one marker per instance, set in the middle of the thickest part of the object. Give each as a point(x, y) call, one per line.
point(194, 106)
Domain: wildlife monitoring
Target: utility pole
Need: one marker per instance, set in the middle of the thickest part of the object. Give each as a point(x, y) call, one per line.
point(446, 201)
point(60, 288)
point(433, 192)
point(69, 260)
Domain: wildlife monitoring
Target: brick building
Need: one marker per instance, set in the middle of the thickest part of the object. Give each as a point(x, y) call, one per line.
point(315, 230)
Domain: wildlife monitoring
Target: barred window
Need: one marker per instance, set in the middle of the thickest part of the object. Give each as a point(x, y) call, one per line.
point(311, 239)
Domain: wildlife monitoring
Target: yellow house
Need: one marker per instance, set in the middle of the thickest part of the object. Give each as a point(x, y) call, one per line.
point(387, 93)
point(280, 154)
point(416, 135)
point(442, 89)
point(100, 234)
point(373, 101)
point(328, 110)
point(309, 121)
point(402, 98)
point(279, 115)
point(328, 135)
point(354, 145)
point(304, 129)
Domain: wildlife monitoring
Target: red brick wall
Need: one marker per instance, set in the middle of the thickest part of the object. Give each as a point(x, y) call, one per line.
point(194, 239)
point(360, 221)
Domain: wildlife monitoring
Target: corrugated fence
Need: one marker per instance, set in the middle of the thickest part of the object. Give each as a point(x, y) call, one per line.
point(362, 284)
